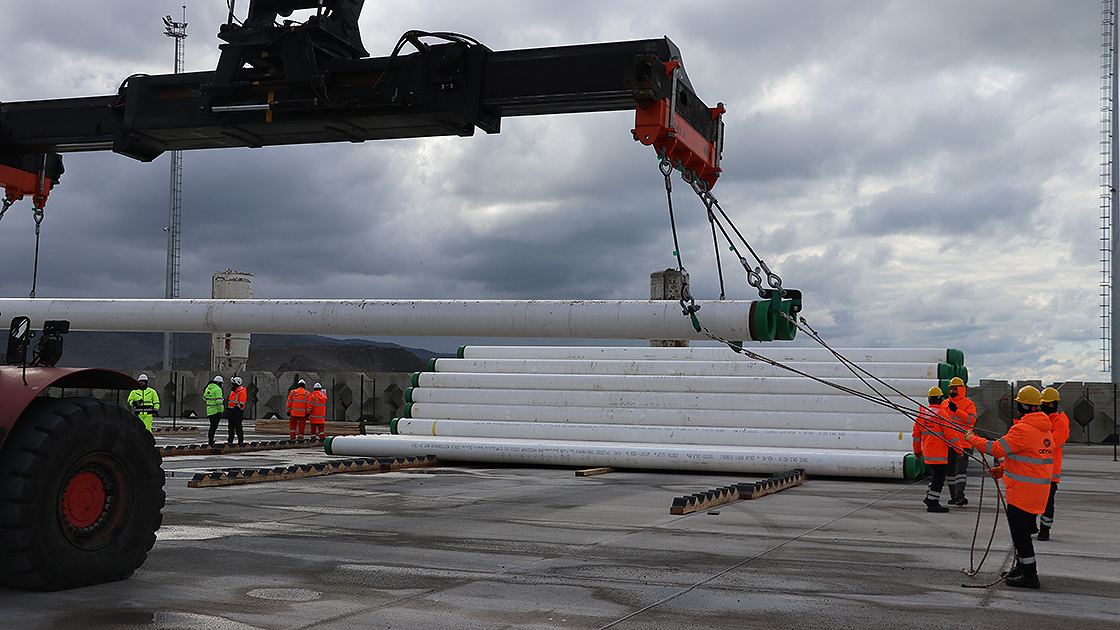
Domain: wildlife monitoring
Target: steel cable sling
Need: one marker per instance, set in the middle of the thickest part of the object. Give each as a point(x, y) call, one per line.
point(754, 278)
point(7, 202)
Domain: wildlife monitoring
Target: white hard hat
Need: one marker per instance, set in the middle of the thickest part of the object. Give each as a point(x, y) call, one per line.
point(302, 382)
point(236, 380)
point(218, 379)
point(317, 386)
point(142, 377)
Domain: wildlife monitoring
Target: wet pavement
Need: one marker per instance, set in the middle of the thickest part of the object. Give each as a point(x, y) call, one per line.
point(503, 547)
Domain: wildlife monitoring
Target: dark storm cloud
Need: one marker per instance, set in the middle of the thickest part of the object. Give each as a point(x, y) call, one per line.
point(897, 161)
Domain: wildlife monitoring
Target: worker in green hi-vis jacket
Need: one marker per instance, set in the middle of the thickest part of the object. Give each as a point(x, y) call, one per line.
point(215, 404)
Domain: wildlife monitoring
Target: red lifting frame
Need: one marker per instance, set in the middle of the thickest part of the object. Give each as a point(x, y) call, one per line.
point(17, 183)
point(658, 125)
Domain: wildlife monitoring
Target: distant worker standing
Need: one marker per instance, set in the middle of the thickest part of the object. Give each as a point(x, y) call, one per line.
point(214, 400)
point(144, 401)
point(236, 413)
point(299, 407)
point(1059, 428)
point(1026, 471)
point(318, 415)
point(932, 437)
point(961, 411)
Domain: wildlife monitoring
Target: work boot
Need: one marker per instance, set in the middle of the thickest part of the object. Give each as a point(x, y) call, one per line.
point(1016, 571)
point(961, 502)
point(935, 506)
point(1044, 533)
point(1028, 578)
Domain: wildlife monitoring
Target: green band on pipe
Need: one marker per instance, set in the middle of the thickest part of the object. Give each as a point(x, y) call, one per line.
point(327, 445)
point(954, 356)
point(763, 325)
point(392, 426)
point(416, 379)
point(407, 413)
point(408, 395)
point(432, 364)
point(460, 352)
point(962, 372)
point(944, 370)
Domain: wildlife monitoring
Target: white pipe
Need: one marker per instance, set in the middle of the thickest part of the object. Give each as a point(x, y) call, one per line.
point(886, 421)
point(915, 388)
point(576, 319)
point(651, 400)
point(737, 367)
point(716, 436)
point(833, 462)
point(705, 353)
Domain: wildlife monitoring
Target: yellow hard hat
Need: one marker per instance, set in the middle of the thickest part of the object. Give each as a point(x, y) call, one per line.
point(1050, 395)
point(935, 391)
point(1029, 396)
point(956, 382)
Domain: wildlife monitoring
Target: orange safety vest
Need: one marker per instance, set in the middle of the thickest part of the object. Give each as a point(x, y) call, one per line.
point(237, 398)
point(931, 437)
point(318, 406)
point(299, 402)
point(1028, 452)
point(1059, 428)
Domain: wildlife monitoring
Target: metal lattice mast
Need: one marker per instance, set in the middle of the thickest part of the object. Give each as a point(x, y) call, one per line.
point(178, 32)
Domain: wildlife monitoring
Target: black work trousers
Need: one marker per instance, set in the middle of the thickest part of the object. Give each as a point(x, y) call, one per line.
point(1022, 524)
point(234, 417)
point(215, 420)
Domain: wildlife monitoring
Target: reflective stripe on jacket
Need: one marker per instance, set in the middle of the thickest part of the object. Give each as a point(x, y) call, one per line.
point(213, 398)
point(1028, 452)
point(1059, 429)
point(933, 436)
point(299, 402)
point(965, 415)
point(144, 402)
point(318, 406)
point(237, 398)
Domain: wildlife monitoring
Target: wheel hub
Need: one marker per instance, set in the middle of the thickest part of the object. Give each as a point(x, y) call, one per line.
point(84, 500)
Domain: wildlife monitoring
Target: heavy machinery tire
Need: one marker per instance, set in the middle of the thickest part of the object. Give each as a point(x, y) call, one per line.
point(81, 494)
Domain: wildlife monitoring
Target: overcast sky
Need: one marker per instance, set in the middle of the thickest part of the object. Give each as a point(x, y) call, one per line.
point(928, 173)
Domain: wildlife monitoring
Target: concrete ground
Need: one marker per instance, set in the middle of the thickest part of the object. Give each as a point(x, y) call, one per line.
point(487, 547)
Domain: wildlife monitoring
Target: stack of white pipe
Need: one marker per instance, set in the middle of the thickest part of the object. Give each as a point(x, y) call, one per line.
point(705, 408)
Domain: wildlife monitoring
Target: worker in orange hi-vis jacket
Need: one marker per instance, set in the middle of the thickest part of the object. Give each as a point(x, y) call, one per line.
point(1059, 427)
point(318, 415)
point(299, 407)
point(932, 439)
point(1028, 452)
point(235, 411)
point(962, 412)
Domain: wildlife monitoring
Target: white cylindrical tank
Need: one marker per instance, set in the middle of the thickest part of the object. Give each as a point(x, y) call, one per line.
point(229, 351)
point(758, 460)
point(719, 436)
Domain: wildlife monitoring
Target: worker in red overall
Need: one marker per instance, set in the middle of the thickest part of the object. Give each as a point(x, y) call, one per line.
point(1028, 452)
point(1059, 428)
point(932, 437)
point(318, 415)
point(299, 408)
